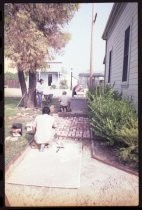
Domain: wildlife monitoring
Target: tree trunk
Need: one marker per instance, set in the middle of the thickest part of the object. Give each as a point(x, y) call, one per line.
point(23, 86)
point(31, 102)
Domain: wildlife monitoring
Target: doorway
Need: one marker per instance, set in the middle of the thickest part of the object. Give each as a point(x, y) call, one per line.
point(49, 79)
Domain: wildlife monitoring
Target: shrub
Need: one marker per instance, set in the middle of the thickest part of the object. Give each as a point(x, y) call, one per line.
point(63, 84)
point(129, 136)
point(114, 119)
point(53, 86)
point(10, 76)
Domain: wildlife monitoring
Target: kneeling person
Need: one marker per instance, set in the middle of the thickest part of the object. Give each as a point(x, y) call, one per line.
point(43, 128)
point(65, 102)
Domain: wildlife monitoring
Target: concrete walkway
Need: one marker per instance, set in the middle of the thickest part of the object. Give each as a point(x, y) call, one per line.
point(100, 184)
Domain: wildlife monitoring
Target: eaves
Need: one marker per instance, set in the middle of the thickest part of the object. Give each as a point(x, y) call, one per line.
point(116, 12)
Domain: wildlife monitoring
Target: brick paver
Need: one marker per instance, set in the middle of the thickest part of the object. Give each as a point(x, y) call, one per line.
point(74, 125)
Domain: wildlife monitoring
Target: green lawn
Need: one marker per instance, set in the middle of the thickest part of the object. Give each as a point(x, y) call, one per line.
point(20, 115)
point(13, 148)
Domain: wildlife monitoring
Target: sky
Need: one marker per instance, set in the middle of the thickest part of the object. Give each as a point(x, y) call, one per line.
point(77, 51)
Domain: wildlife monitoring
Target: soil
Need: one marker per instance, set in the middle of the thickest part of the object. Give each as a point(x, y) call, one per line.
point(110, 155)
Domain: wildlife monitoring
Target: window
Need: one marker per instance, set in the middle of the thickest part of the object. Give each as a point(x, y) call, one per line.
point(126, 54)
point(109, 71)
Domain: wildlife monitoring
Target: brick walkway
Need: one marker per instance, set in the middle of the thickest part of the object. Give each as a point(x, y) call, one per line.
point(74, 125)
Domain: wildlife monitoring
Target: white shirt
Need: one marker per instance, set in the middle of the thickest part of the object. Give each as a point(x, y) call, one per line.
point(44, 131)
point(64, 100)
point(39, 87)
point(47, 90)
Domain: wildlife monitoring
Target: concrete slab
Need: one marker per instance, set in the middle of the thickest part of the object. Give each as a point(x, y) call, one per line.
point(52, 168)
point(100, 185)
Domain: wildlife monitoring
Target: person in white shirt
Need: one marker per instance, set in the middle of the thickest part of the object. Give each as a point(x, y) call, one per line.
point(39, 92)
point(65, 102)
point(43, 128)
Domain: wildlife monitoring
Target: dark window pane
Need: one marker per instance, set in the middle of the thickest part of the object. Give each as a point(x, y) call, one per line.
point(127, 35)
point(109, 72)
point(125, 66)
point(126, 51)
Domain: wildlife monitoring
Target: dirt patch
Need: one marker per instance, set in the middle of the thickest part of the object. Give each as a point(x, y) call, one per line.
point(110, 155)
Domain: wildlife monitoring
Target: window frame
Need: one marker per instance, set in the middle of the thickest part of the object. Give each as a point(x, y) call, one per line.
point(125, 83)
point(109, 67)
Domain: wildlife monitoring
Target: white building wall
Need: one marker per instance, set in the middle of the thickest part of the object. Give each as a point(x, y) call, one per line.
point(115, 43)
point(55, 79)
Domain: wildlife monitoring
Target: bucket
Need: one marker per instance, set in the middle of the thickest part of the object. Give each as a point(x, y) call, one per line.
point(16, 129)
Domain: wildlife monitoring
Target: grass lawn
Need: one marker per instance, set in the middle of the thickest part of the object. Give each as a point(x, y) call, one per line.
point(20, 115)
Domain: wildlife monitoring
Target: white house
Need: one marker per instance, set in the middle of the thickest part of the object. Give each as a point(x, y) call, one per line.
point(121, 58)
point(52, 74)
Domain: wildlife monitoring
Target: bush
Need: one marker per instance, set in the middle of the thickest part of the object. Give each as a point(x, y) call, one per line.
point(63, 84)
point(129, 135)
point(10, 76)
point(53, 86)
point(114, 119)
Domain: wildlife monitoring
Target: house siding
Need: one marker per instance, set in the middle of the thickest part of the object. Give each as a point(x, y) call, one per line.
point(115, 41)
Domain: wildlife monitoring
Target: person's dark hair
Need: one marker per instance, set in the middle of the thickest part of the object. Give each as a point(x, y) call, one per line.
point(64, 93)
point(41, 80)
point(46, 110)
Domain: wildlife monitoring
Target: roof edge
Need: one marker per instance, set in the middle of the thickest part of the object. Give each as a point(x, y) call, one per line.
point(114, 15)
point(87, 74)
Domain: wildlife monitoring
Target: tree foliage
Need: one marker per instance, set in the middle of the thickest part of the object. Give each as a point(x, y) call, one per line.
point(34, 30)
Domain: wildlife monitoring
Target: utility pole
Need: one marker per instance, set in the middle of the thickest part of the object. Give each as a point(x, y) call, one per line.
point(91, 48)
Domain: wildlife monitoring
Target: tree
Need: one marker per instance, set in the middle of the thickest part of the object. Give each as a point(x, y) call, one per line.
point(33, 31)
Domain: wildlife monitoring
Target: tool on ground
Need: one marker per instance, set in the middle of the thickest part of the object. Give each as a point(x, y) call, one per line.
point(21, 99)
point(58, 148)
